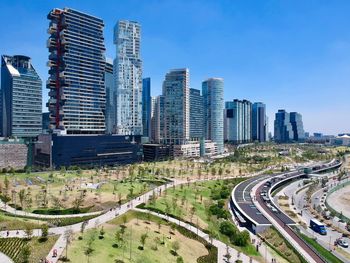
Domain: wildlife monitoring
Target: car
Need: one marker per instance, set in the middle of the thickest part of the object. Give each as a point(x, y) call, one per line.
point(273, 209)
point(342, 242)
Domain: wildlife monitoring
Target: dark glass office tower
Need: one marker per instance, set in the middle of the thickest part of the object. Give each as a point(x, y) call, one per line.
point(111, 98)
point(21, 95)
point(297, 126)
point(77, 97)
point(146, 107)
point(259, 122)
point(283, 128)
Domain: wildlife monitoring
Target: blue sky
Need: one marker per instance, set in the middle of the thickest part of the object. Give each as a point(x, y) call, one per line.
point(289, 54)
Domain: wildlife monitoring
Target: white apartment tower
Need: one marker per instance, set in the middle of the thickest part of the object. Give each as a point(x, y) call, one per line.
point(127, 70)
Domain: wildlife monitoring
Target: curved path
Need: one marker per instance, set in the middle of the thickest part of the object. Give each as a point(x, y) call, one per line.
point(5, 259)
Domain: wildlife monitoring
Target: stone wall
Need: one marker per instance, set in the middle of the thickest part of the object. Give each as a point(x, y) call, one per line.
point(13, 155)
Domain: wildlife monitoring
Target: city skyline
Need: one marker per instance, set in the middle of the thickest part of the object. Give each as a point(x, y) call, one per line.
point(278, 75)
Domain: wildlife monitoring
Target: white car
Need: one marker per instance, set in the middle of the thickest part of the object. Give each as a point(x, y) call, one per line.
point(341, 242)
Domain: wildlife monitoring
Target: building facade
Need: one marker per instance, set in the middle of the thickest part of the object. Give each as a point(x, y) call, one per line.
point(21, 96)
point(259, 122)
point(128, 77)
point(196, 115)
point(213, 103)
point(238, 121)
point(176, 110)
point(283, 131)
point(296, 121)
point(111, 98)
point(77, 97)
point(146, 107)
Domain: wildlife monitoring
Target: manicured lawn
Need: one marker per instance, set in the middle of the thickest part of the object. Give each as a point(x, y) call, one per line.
point(104, 250)
point(196, 203)
point(321, 250)
point(14, 223)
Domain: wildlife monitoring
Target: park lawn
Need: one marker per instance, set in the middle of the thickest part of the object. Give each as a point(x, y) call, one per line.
point(104, 251)
point(180, 200)
point(14, 223)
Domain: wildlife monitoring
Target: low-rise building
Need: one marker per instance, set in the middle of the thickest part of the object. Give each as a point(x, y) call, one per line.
point(192, 149)
point(13, 154)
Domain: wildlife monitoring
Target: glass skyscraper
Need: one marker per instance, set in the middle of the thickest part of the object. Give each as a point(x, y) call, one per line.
point(77, 97)
point(111, 98)
point(297, 126)
point(21, 95)
point(128, 77)
point(283, 131)
point(196, 114)
point(213, 103)
point(146, 107)
point(238, 121)
point(259, 122)
point(176, 94)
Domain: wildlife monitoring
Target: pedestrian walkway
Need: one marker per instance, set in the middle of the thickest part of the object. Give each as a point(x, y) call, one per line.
point(5, 259)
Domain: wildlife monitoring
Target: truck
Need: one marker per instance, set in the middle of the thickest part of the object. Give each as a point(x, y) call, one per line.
point(318, 227)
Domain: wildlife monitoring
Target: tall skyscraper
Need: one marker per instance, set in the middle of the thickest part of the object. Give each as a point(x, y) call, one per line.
point(282, 127)
point(158, 120)
point(21, 94)
point(128, 77)
point(77, 69)
point(297, 126)
point(146, 106)
point(213, 101)
point(238, 119)
point(176, 94)
point(111, 98)
point(196, 114)
point(259, 122)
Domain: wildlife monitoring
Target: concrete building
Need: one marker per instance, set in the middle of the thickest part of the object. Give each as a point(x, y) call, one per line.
point(13, 154)
point(283, 131)
point(196, 115)
point(213, 103)
point(146, 107)
point(192, 149)
point(21, 98)
point(77, 98)
point(111, 98)
point(128, 77)
point(157, 152)
point(341, 140)
point(176, 94)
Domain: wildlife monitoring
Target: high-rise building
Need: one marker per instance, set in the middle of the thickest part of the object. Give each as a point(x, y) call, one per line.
point(21, 94)
point(213, 103)
point(158, 119)
point(111, 98)
point(128, 77)
point(77, 97)
point(238, 121)
point(196, 114)
point(282, 127)
point(259, 122)
point(146, 107)
point(154, 128)
point(176, 94)
point(297, 126)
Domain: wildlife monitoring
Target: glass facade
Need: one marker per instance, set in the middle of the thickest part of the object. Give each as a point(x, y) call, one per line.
point(176, 94)
point(146, 107)
point(111, 98)
point(213, 103)
point(128, 77)
point(196, 114)
point(297, 126)
point(77, 70)
point(259, 122)
point(282, 127)
point(238, 121)
point(21, 94)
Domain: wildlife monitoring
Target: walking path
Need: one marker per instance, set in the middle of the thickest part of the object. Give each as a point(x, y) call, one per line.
point(5, 259)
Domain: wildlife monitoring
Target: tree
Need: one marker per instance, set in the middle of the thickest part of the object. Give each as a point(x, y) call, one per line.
point(179, 260)
point(175, 246)
point(78, 201)
point(7, 184)
point(102, 233)
point(143, 240)
point(44, 232)
point(25, 254)
point(21, 195)
point(68, 236)
point(28, 231)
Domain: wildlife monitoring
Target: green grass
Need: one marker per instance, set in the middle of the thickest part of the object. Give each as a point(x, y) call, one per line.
point(321, 250)
point(198, 195)
point(14, 223)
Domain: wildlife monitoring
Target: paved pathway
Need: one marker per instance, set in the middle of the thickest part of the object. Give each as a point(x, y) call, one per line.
point(5, 259)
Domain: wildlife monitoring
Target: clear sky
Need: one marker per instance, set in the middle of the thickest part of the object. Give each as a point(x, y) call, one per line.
point(289, 54)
